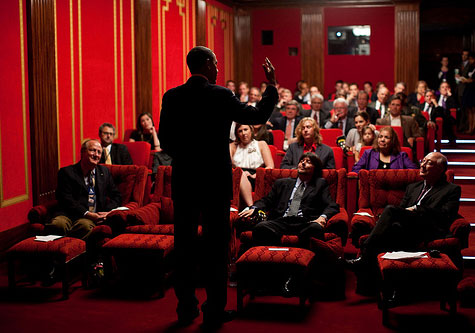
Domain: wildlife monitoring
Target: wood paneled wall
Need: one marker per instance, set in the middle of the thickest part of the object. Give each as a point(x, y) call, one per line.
point(200, 22)
point(42, 88)
point(143, 56)
point(406, 57)
point(242, 46)
point(312, 41)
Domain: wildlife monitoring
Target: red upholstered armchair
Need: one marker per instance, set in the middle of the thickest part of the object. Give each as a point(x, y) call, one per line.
point(330, 135)
point(130, 181)
point(336, 180)
point(157, 217)
point(379, 188)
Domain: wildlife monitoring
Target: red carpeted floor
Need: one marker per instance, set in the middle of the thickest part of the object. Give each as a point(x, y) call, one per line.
point(33, 309)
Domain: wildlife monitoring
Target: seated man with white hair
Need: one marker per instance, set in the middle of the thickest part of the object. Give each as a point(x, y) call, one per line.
point(316, 111)
point(340, 118)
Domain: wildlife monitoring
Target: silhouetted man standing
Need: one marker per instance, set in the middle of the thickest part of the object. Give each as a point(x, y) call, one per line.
point(194, 130)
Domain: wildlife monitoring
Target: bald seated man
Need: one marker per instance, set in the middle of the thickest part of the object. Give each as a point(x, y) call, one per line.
point(86, 193)
point(425, 213)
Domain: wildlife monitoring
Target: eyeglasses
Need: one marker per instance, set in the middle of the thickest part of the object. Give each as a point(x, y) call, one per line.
point(108, 133)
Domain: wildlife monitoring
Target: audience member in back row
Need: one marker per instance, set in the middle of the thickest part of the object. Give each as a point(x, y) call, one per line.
point(243, 92)
point(417, 97)
point(146, 132)
point(262, 134)
point(394, 118)
point(340, 118)
point(249, 154)
point(354, 138)
point(303, 95)
point(316, 112)
point(381, 103)
point(362, 100)
point(299, 206)
point(289, 122)
point(254, 96)
point(231, 85)
point(385, 154)
point(309, 139)
point(86, 194)
point(112, 153)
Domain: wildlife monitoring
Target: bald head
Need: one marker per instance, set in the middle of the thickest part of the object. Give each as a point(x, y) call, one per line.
point(433, 167)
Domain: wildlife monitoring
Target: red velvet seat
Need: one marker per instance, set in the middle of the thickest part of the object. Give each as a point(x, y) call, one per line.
point(379, 188)
point(279, 137)
point(62, 252)
point(140, 152)
point(330, 135)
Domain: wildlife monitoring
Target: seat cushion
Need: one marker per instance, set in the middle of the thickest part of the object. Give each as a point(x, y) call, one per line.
point(141, 242)
point(63, 249)
point(265, 254)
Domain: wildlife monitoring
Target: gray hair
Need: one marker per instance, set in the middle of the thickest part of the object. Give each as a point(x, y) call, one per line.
point(106, 125)
point(340, 100)
point(319, 96)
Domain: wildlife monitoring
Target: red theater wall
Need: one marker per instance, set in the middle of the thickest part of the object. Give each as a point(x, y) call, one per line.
point(95, 71)
point(15, 178)
point(173, 35)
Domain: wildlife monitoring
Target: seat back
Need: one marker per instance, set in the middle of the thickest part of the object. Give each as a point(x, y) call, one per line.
point(339, 157)
point(426, 115)
point(329, 136)
point(379, 188)
point(127, 134)
point(163, 184)
point(398, 129)
point(131, 181)
point(279, 137)
point(139, 151)
point(336, 180)
point(275, 157)
point(306, 106)
point(407, 150)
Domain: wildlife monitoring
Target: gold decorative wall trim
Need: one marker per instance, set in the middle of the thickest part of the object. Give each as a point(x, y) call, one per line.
point(116, 92)
point(56, 78)
point(80, 70)
point(73, 109)
point(21, 197)
point(122, 63)
point(132, 48)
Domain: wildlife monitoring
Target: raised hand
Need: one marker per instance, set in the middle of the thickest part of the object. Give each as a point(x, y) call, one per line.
point(269, 71)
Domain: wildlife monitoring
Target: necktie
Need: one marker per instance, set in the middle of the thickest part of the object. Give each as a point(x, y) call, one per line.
point(91, 202)
point(107, 157)
point(340, 124)
point(295, 203)
point(288, 130)
point(424, 191)
point(315, 116)
point(443, 102)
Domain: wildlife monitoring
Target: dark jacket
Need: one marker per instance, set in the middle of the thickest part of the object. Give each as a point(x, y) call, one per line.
point(119, 155)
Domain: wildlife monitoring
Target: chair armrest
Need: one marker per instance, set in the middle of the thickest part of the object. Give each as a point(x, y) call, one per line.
point(419, 148)
point(430, 139)
point(147, 215)
point(42, 213)
point(351, 193)
point(361, 225)
point(350, 161)
point(453, 112)
point(338, 225)
point(460, 229)
point(438, 135)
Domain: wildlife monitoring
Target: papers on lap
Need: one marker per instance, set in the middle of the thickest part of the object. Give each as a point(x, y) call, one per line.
point(397, 255)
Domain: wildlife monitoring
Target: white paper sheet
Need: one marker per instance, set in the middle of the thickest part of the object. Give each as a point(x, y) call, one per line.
point(404, 255)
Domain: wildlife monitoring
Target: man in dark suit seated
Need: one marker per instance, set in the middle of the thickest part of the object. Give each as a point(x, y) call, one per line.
point(86, 194)
point(112, 153)
point(297, 206)
point(362, 100)
point(340, 118)
point(424, 214)
point(316, 111)
point(380, 104)
point(289, 122)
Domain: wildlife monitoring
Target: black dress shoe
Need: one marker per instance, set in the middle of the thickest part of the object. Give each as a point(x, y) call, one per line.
point(212, 321)
point(50, 278)
point(356, 264)
point(289, 288)
point(186, 318)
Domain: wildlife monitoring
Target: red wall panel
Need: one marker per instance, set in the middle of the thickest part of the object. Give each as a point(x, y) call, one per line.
point(15, 176)
point(379, 65)
point(173, 35)
point(287, 29)
point(219, 38)
point(95, 71)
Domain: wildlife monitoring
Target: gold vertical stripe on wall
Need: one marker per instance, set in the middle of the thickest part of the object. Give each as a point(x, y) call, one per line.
point(132, 48)
point(122, 64)
point(80, 70)
point(73, 110)
point(22, 197)
point(187, 20)
point(115, 65)
point(181, 4)
point(163, 49)
point(193, 15)
point(56, 78)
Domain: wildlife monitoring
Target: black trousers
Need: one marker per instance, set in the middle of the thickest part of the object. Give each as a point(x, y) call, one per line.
point(270, 232)
point(396, 229)
point(211, 250)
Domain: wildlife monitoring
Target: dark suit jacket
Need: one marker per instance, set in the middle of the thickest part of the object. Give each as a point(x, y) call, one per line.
point(316, 199)
point(295, 151)
point(373, 114)
point(439, 208)
point(119, 155)
point(408, 124)
point(281, 124)
point(194, 130)
point(350, 123)
point(324, 116)
point(72, 193)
